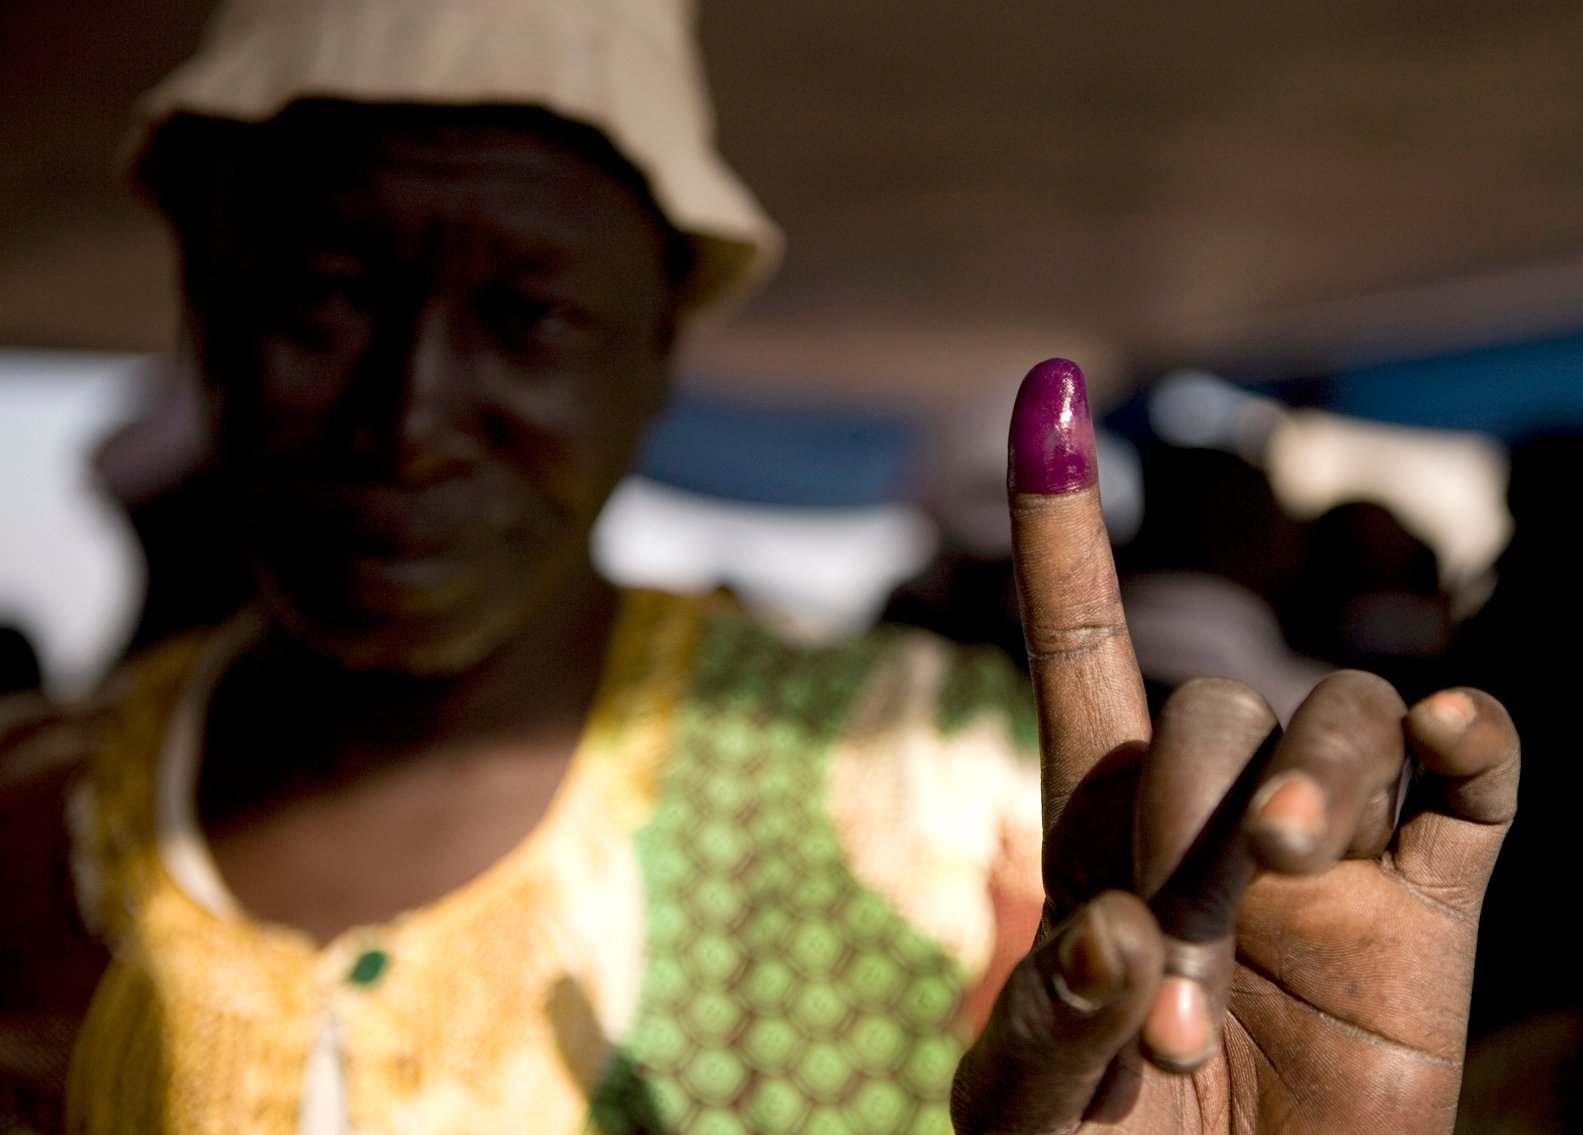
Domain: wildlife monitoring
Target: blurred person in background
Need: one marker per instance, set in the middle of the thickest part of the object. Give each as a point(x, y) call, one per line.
point(1213, 559)
point(1369, 596)
point(443, 834)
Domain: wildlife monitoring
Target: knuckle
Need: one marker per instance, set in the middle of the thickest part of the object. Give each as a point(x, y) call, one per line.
point(1215, 720)
point(1357, 689)
point(1049, 642)
point(1351, 718)
point(1226, 696)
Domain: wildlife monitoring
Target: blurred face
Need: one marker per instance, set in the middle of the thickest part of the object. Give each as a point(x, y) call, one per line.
point(431, 360)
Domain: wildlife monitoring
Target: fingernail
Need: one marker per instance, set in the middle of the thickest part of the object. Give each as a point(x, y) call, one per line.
point(1052, 432)
point(1450, 710)
point(1179, 1030)
point(1091, 972)
point(1289, 809)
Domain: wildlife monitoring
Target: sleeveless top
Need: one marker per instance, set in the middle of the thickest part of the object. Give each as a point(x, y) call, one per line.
point(760, 901)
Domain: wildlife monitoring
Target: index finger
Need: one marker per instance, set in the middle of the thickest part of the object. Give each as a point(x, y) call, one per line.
point(1085, 678)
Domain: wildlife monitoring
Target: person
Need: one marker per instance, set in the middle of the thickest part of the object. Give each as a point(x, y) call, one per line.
point(444, 835)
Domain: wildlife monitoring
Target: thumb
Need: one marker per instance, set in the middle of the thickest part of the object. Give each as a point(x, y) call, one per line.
point(1065, 1013)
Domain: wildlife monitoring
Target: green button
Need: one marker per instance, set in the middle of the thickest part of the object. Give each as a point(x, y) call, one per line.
point(369, 965)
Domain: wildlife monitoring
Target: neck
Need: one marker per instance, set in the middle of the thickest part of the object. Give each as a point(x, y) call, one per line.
point(283, 716)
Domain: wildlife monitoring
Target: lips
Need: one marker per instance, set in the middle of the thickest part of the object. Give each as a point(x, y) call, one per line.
point(424, 573)
point(366, 549)
point(396, 523)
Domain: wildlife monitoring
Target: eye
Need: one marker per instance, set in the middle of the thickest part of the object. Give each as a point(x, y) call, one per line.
point(525, 318)
point(324, 300)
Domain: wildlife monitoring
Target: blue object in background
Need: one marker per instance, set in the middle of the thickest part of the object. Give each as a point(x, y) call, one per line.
point(840, 457)
point(1506, 390)
point(813, 457)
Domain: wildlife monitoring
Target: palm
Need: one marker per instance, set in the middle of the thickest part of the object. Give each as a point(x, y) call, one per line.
point(1347, 1002)
point(1348, 1006)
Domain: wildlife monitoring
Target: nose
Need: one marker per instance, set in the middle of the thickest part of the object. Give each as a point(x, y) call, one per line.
point(421, 380)
point(427, 390)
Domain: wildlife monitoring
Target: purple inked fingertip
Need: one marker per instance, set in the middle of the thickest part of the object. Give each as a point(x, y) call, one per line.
point(1052, 432)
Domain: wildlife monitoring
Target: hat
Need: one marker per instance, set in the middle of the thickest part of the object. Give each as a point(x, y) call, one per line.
point(628, 68)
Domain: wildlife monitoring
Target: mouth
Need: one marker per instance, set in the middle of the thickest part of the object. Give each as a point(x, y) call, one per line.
point(396, 552)
point(394, 525)
point(408, 573)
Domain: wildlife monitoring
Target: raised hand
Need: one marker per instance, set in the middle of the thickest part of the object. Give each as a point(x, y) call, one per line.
point(1244, 930)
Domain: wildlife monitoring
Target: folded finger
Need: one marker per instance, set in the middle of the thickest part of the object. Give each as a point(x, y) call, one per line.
point(1061, 1019)
point(1468, 747)
point(1086, 681)
point(1331, 788)
point(1192, 858)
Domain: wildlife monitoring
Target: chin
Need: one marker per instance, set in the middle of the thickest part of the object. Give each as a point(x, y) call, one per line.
point(425, 655)
point(434, 640)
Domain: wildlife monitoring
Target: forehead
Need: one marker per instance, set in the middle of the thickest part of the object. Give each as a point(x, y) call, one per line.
point(394, 184)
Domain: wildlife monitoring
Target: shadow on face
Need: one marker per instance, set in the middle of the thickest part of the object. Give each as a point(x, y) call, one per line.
point(432, 338)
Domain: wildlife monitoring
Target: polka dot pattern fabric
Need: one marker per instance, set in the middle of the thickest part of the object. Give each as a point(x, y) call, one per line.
point(781, 995)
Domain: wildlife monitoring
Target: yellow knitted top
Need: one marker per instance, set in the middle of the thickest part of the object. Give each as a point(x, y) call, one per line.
point(768, 898)
point(485, 1011)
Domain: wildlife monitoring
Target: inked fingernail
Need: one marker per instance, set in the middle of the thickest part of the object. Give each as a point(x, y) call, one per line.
point(1180, 1031)
point(1052, 432)
point(1091, 972)
point(1452, 711)
point(1290, 810)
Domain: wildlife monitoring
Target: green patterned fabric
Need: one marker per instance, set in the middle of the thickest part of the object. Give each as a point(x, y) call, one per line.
point(979, 680)
point(781, 995)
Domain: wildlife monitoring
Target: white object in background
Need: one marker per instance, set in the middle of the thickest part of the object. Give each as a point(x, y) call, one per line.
point(1447, 487)
point(1120, 485)
point(1186, 624)
point(818, 572)
point(1197, 409)
point(72, 575)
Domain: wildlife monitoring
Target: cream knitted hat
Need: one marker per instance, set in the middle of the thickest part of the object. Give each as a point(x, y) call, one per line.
point(628, 68)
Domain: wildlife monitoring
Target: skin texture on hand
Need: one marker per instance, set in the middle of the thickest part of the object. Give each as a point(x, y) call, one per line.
point(1245, 930)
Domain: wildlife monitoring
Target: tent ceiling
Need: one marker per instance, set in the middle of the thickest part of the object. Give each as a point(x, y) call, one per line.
point(966, 187)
